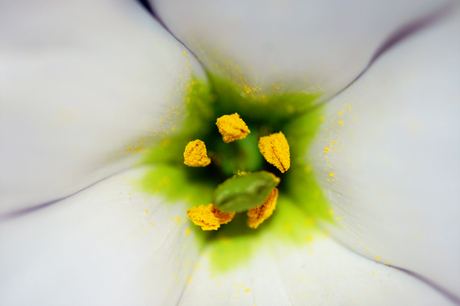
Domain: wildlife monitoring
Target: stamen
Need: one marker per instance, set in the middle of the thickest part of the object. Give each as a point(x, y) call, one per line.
point(259, 214)
point(232, 127)
point(209, 217)
point(275, 150)
point(195, 154)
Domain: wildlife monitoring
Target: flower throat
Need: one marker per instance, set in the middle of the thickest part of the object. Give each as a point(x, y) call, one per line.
point(217, 165)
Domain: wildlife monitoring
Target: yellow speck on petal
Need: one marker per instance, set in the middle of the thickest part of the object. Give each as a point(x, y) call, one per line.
point(331, 174)
point(275, 150)
point(247, 290)
point(376, 257)
point(195, 154)
point(326, 149)
point(209, 217)
point(260, 213)
point(187, 231)
point(146, 211)
point(340, 122)
point(232, 127)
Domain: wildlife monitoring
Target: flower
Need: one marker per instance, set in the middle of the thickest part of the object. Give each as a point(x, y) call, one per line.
point(85, 84)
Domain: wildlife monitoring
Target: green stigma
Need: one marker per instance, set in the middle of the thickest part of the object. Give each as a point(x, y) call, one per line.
point(244, 191)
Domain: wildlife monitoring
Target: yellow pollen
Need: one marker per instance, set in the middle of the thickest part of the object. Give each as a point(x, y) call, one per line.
point(275, 150)
point(209, 217)
point(232, 127)
point(195, 154)
point(260, 213)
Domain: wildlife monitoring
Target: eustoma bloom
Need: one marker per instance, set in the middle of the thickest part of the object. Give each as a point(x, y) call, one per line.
point(99, 101)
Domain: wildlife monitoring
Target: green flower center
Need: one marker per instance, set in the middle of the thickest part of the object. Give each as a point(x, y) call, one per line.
point(301, 202)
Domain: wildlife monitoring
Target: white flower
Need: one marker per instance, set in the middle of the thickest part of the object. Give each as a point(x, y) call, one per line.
point(83, 84)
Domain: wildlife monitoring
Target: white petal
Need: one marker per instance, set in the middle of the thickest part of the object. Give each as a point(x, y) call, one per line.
point(321, 273)
point(396, 160)
point(284, 46)
point(107, 245)
point(82, 82)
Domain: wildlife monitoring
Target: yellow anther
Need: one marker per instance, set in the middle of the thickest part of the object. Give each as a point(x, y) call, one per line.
point(195, 154)
point(232, 127)
point(209, 217)
point(275, 150)
point(260, 213)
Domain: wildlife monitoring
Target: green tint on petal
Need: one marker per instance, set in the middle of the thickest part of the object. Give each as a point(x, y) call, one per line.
point(289, 225)
point(301, 203)
point(300, 183)
point(177, 184)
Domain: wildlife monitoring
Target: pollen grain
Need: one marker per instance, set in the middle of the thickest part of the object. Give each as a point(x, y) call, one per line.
point(232, 127)
point(195, 154)
point(275, 150)
point(260, 213)
point(209, 217)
